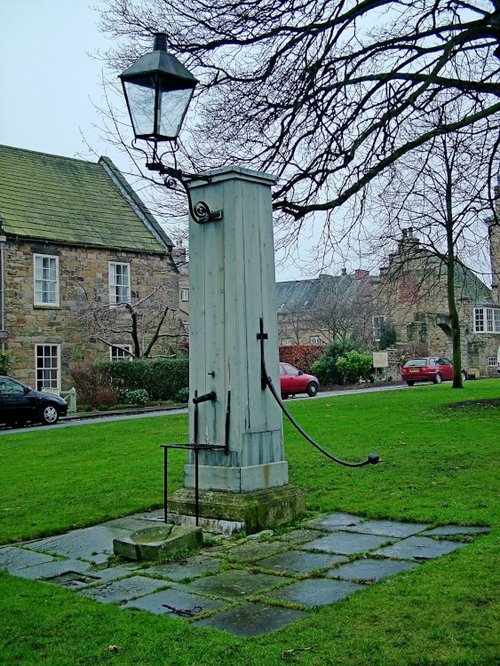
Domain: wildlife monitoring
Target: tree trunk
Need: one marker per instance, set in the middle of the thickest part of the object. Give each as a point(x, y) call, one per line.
point(452, 302)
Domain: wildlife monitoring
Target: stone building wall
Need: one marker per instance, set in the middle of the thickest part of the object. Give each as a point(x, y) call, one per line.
point(494, 235)
point(412, 293)
point(83, 288)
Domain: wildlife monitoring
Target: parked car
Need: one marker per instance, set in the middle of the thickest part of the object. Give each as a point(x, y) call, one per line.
point(20, 403)
point(429, 369)
point(294, 381)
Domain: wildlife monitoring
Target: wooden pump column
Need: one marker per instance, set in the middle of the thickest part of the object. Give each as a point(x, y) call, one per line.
point(232, 287)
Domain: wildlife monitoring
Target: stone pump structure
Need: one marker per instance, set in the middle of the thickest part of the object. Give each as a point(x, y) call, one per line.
point(234, 422)
point(236, 471)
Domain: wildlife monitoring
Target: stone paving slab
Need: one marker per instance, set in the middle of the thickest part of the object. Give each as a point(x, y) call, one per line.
point(14, 559)
point(389, 528)
point(48, 570)
point(297, 537)
point(455, 530)
point(123, 590)
point(335, 521)
point(197, 586)
point(193, 567)
point(130, 523)
point(254, 551)
point(94, 544)
point(235, 584)
point(300, 562)
point(316, 591)
point(370, 570)
point(346, 543)
point(74, 579)
point(419, 548)
point(186, 604)
point(252, 619)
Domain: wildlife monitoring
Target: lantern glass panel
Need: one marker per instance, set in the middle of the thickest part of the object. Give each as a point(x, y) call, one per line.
point(173, 105)
point(141, 102)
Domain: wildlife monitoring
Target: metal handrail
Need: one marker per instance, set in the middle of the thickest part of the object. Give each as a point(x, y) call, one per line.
point(190, 447)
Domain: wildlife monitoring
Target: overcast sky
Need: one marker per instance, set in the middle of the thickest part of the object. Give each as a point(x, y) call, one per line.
point(50, 82)
point(48, 78)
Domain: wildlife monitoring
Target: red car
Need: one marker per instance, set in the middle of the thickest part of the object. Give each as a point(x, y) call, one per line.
point(429, 369)
point(294, 381)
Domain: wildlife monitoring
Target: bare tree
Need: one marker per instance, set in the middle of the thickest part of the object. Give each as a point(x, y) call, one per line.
point(344, 310)
point(442, 193)
point(148, 324)
point(333, 308)
point(327, 95)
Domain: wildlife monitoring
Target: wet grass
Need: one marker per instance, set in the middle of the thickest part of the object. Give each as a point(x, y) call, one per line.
point(439, 465)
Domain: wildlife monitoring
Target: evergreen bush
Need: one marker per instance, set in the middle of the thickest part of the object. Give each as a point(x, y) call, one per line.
point(325, 368)
point(5, 363)
point(162, 378)
point(355, 366)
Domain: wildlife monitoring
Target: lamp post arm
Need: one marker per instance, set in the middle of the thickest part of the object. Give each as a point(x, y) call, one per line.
point(200, 212)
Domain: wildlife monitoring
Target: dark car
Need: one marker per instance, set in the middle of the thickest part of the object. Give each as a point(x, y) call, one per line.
point(20, 403)
point(294, 381)
point(428, 369)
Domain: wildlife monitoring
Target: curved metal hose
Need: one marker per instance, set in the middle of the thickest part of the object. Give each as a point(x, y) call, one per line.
point(372, 459)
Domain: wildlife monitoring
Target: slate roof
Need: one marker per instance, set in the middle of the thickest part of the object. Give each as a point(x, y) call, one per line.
point(469, 286)
point(61, 199)
point(295, 295)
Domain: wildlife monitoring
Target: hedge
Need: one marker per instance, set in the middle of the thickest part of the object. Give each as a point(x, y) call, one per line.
point(161, 378)
point(301, 356)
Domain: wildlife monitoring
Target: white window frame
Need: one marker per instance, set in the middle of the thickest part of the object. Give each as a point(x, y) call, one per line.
point(487, 319)
point(115, 353)
point(286, 342)
point(315, 340)
point(184, 295)
point(492, 362)
point(377, 323)
point(115, 298)
point(41, 281)
point(53, 382)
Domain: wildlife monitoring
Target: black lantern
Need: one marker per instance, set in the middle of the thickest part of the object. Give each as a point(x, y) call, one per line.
point(158, 89)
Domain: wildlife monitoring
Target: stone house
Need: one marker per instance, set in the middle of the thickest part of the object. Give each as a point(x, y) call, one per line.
point(411, 296)
point(86, 271)
point(331, 306)
point(180, 258)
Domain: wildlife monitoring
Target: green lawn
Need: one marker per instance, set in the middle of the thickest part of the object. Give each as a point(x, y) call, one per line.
point(439, 465)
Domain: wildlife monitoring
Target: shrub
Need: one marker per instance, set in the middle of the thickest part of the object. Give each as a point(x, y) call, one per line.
point(182, 395)
point(412, 350)
point(325, 368)
point(5, 363)
point(136, 397)
point(301, 356)
point(104, 397)
point(89, 379)
point(388, 337)
point(161, 378)
point(355, 366)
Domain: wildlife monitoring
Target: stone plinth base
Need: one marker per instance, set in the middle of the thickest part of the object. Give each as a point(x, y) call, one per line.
point(238, 479)
point(257, 510)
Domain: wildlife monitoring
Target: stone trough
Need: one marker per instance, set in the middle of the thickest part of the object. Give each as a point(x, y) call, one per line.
point(159, 542)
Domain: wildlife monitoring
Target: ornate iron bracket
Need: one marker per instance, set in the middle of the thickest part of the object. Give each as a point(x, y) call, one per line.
point(200, 212)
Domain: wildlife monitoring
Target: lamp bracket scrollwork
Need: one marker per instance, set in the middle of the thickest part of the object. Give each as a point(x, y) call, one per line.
point(200, 211)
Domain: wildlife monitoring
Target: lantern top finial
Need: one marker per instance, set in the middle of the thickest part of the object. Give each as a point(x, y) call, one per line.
point(160, 43)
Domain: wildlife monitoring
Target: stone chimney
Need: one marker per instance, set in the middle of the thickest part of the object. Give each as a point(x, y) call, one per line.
point(361, 275)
